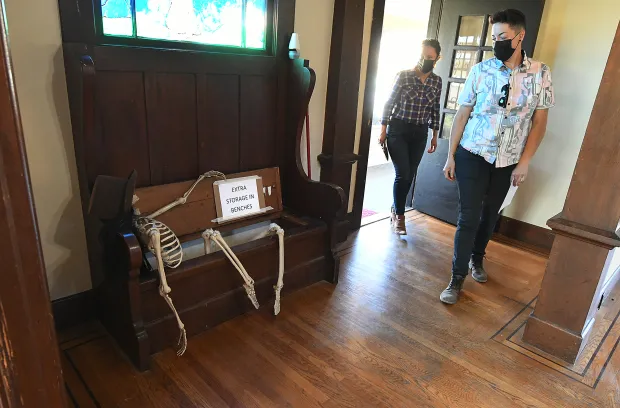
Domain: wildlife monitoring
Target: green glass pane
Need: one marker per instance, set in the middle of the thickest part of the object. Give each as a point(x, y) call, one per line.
point(116, 17)
point(217, 22)
point(255, 23)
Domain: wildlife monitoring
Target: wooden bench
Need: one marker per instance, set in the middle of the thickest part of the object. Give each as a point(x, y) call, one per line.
point(207, 290)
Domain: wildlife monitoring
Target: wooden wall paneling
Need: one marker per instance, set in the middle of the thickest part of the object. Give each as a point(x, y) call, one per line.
point(258, 122)
point(74, 310)
point(172, 126)
point(77, 21)
point(180, 61)
point(121, 144)
point(585, 229)
point(218, 123)
point(30, 371)
point(523, 235)
point(345, 59)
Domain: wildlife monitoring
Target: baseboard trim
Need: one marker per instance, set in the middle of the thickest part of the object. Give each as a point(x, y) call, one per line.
point(74, 310)
point(523, 235)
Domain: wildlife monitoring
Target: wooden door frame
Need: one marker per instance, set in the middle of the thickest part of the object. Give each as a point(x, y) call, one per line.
point(29, 356)
point(355, 217)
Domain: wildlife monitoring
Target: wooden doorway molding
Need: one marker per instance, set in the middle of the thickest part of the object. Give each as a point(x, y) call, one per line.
point(585, 230)
point(29, 357)
point(355, 217)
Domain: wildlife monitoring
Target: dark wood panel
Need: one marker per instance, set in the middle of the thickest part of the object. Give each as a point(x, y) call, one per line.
point(74, 310)
point(258, 122)
point(198, 213)
point(218, 123)
point(527, 236)
point(178, 61)
point(121, 144)
point(206, 278)
point(172, 123)
point(164, 333)
point(77, 21)
point(342, 93)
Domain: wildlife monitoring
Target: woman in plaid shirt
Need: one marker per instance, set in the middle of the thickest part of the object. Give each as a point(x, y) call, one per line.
point(413, 107)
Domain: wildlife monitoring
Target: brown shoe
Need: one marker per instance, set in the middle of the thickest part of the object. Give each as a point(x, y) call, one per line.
point(398, 224)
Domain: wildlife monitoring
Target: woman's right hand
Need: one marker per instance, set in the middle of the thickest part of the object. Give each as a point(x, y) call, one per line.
point(382, 138)
point(449, 170)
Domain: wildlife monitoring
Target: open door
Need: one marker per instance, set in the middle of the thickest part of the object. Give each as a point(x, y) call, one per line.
point(465, 36)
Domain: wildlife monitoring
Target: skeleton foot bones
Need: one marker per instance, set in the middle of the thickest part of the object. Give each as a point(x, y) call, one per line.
point(216, 237)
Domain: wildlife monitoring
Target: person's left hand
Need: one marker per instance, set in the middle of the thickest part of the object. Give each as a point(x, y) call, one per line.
point(519, 174)
point(433, 145)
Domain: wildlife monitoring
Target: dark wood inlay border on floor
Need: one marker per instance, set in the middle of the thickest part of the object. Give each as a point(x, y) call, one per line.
point(509, 336)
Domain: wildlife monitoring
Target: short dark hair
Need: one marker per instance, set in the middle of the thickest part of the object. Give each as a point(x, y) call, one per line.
point(514, 18)
point(431, 42)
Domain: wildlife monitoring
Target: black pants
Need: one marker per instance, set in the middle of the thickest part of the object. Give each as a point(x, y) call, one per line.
point(482, 190)
point(406, 144)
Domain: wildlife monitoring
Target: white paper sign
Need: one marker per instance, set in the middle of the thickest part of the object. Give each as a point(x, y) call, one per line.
point(239, 197)
point(511, 194)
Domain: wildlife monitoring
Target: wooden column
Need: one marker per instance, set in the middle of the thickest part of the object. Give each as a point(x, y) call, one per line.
point(585, 230)
point(343, 84)
point(29, 359)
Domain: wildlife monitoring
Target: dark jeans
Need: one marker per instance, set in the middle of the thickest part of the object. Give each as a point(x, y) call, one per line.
point(482, 190)
point(406, 144)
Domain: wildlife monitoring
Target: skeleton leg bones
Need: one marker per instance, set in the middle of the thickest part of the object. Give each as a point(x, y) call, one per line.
point(164, 289)
point(278, 288)
point(216, 237)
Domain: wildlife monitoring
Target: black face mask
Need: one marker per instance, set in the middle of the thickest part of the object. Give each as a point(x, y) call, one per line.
point(426, 66)
point(503, 49)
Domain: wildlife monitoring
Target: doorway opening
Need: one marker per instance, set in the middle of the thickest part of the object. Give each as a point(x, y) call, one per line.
point(405, 26)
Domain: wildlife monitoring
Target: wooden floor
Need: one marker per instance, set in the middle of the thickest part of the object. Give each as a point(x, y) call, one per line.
point(380, 338)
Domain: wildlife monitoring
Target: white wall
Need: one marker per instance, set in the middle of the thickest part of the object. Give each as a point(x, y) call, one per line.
point(574, 40)
point(35, 44)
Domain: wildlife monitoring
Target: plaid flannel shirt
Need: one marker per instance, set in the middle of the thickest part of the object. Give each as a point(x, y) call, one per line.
point(413, 101)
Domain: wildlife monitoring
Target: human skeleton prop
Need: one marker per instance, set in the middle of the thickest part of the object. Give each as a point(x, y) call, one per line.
point(162, 242)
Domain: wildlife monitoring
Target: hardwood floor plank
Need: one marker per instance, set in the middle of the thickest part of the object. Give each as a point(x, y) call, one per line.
point(189, 381)
point(350, 371)
point(281, 352)
point(115, 383)
point(380, 338)
point(78, 394)
point(416, 353)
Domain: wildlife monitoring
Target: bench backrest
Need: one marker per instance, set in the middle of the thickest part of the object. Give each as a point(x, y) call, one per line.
point(200, 211)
